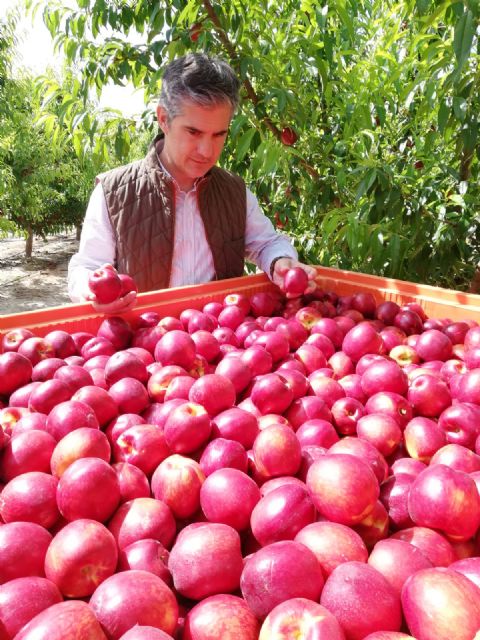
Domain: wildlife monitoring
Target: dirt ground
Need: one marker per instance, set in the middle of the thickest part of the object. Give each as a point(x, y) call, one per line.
point(27, 285)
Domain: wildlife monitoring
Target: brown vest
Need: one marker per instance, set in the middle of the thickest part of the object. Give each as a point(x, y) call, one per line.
point(140, 201)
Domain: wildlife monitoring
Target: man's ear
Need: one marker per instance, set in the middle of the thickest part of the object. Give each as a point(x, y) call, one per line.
point(162, 118)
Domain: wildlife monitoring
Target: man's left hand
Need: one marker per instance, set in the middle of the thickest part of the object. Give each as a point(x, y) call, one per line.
point(283, 265)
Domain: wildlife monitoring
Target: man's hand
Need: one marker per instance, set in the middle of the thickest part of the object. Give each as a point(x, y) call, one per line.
point(282, 265)
point(120, 305)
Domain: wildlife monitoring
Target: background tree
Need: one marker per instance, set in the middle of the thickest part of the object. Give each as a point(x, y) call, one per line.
point(46, 173)
point(7, 40)
point(358, 125)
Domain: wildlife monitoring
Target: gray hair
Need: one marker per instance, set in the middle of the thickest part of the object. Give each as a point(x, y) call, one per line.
point(201, 79)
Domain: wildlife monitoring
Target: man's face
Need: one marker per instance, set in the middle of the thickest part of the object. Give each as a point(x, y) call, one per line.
point(193, 140)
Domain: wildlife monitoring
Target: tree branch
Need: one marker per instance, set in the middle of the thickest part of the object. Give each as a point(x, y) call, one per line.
point(465, 165)
point(251, 93)
point(233, 54)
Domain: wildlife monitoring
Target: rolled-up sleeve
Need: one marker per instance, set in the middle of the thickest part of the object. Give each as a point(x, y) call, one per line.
point(97, 246)
point(262, 243)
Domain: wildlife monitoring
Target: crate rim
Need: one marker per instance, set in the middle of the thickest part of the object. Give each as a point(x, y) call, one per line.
point(448, 300)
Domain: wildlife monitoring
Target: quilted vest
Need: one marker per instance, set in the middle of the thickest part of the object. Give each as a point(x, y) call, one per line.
point(140, 201)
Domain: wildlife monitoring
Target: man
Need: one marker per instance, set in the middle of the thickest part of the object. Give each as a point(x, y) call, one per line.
point(175, 218)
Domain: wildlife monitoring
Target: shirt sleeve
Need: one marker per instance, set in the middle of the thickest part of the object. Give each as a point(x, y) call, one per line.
point(97, 246)
point(262, 243)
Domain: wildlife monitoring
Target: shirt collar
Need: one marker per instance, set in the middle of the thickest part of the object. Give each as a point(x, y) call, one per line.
point(177, 186)
point(158, 146)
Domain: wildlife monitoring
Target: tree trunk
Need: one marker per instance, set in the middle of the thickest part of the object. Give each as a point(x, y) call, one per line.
point(29, 244)
point(79, 231)
point(465, 165)
point(475, 283)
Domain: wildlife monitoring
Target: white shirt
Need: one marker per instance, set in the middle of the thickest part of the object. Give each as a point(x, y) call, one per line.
point(192, 261)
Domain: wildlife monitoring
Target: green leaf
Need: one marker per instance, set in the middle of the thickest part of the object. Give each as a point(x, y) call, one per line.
point(430, 140)
point(460, 108)
point(341, 179)
point(71, 48)
point(422, 6)
point(188, 13)
point(49, 124)
point(52, 21)
point(331, 223)
point(470, 136)
point(395, 253)
point(443, 116)
point(271, 158)
point(321, 17)
point(463, 37)
point(381, 113)
point(243, 144)
point(474, 6)
point(77, 143)
point(366, 183)
point(121, 144)
point(323, 71)
point(238, 123)
point(345, 18)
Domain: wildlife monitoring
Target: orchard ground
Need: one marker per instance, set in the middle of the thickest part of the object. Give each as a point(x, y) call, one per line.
point(28, 285)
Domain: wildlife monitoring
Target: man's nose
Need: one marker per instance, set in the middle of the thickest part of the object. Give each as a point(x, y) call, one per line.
point(205, 147)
